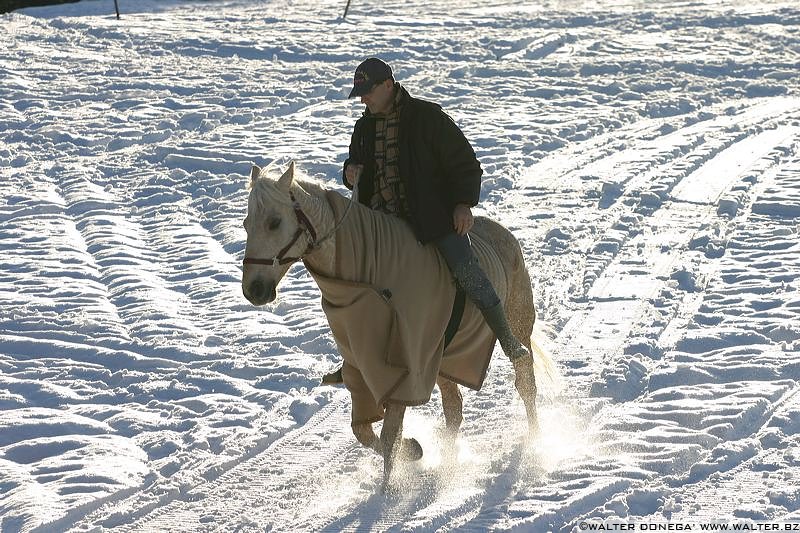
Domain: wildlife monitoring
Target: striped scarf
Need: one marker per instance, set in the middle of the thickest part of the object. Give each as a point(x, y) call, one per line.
point(390, 187)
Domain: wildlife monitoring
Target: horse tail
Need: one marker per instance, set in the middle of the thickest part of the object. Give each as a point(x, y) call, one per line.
point(546, 373)
point(549, 381)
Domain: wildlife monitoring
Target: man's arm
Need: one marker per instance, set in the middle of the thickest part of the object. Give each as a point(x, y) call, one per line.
point(351, 174)
point(354, 160)
point(462, 170)
point(462, 219)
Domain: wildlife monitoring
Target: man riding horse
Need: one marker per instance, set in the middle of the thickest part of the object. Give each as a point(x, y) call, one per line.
point(408, 159)
point(412, 161)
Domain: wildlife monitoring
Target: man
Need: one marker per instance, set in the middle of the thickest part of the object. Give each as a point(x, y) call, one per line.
point(412, 161)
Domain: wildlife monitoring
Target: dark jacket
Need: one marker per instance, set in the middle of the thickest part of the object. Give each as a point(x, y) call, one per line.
point(435, 159)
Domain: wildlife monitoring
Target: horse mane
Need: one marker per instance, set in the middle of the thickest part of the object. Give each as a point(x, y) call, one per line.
point(311, 186)
point(266, 191)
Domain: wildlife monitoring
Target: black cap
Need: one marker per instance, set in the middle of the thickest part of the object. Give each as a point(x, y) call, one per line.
point(369, 74)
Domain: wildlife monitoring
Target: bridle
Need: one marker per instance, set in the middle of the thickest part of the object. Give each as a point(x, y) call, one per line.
point(304, 225)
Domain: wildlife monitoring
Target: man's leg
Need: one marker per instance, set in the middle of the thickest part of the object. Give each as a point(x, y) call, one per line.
point(464, 266)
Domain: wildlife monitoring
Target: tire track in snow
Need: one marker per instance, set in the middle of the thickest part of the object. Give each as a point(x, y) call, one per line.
point(129, 268)
point(636, 293)
point(167, 276)
point(192, 262)
point(622, 274)
point(753, 477)
point(624, 298)
point(611, 172)
point(66, 292)
point(644, 189)
point(737, 467)
point(114, 244)
point(321, 462)
point(762, 486)
point(266, 491)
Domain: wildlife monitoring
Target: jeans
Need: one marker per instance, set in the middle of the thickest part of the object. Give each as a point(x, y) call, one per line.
point(464, 266)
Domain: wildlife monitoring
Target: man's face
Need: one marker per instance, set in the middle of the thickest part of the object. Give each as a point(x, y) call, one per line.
point(379, 99)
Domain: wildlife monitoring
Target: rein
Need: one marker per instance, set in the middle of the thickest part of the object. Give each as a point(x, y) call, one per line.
point(304, 225)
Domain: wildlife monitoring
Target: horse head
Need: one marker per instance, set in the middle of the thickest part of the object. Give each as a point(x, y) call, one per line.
point(274, 225)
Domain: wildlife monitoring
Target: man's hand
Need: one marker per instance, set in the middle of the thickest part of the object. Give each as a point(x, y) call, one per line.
point(352, 172)
point(462, 219)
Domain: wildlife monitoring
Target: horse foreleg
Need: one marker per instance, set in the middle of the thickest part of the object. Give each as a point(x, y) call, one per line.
point(391, 440)
point(525, 383)
point(410, 449)
point(452, 406)
point(367, 437)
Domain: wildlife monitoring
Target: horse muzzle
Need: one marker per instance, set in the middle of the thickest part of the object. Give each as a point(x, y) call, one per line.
point(259, 292)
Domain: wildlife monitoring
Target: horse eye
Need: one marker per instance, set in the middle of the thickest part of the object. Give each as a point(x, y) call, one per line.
point(274, 223)
point(246, 219)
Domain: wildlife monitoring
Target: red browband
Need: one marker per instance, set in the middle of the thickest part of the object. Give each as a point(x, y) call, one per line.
point(304, 225)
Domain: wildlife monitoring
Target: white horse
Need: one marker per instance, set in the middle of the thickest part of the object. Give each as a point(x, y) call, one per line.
point(289, 221)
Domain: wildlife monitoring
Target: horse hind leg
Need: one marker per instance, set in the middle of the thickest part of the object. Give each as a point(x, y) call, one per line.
point(391, 441)
point(522, 315)
point(525, 383)
point(452, 406)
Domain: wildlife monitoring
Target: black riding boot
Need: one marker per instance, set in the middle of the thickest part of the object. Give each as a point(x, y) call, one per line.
point(496, 318)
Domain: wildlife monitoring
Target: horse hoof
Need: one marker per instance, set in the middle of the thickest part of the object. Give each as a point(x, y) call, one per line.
point(411, 450)
point(390, 490)
point(534, 431)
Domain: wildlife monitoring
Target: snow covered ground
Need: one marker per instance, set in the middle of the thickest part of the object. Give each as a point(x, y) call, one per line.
point(646, 154)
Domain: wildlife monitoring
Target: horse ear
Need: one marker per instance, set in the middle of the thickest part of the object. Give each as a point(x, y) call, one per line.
point(255, 172)
point(286, 180)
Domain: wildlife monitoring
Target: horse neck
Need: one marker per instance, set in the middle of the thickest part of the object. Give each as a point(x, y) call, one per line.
point(319, 212)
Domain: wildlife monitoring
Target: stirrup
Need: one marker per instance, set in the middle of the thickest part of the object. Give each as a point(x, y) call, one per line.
point(517, 352)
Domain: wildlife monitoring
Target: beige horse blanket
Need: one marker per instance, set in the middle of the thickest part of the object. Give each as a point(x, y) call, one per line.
point(388, 304)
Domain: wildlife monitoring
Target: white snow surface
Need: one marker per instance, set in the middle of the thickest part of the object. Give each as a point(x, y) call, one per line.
point(646, 154)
